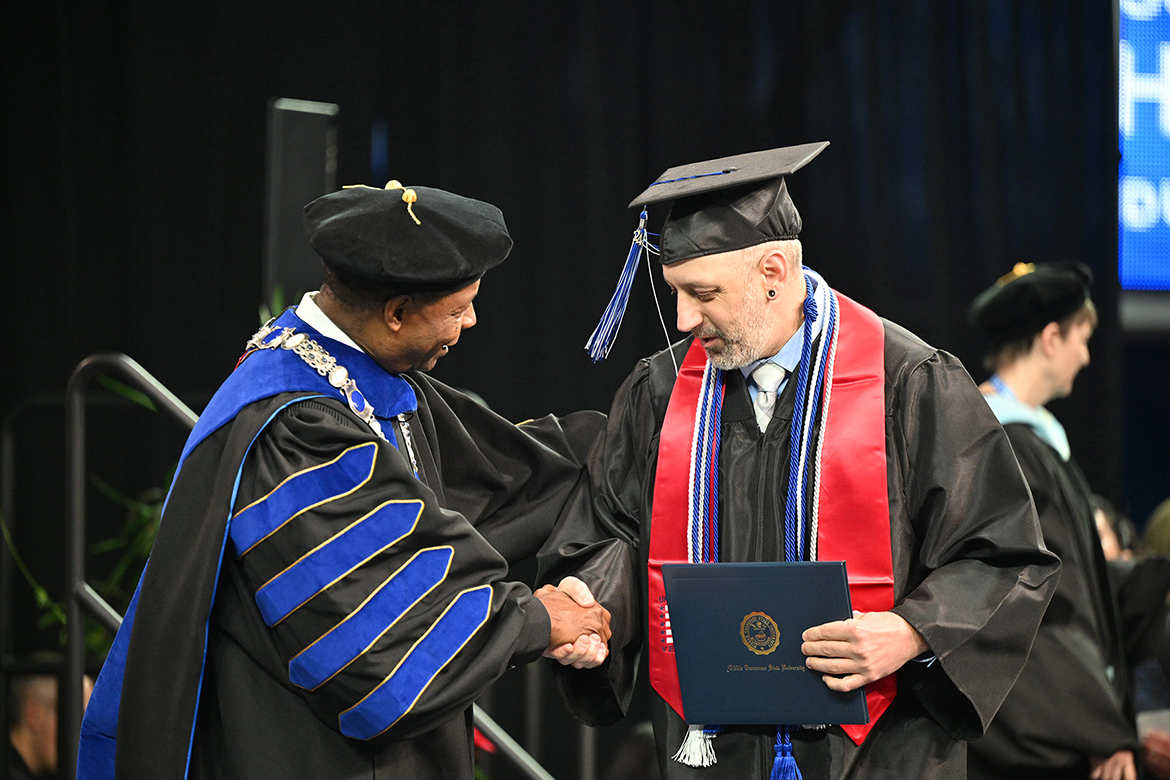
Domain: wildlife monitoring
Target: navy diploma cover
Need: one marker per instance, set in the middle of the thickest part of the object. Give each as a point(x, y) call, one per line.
point(736, 631)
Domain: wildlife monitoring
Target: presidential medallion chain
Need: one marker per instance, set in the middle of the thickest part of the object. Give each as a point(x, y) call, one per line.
point(404, 425)
point(317, 357)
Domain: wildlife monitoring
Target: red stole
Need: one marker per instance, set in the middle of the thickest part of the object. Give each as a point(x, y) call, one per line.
point(853, 504)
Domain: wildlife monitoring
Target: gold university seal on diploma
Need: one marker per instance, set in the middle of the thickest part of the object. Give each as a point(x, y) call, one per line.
point(759, 632)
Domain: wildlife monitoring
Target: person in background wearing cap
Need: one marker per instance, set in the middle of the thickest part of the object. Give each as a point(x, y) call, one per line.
point(326, 596)
point(864, 445)
point(1070, 715)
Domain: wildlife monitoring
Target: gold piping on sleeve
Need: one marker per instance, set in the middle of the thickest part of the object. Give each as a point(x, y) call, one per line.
point(361, 563)
point(423, 690)
point(388, 627)
point(373, 462)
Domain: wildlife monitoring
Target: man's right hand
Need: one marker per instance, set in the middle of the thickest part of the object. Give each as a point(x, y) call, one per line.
point(579, 633)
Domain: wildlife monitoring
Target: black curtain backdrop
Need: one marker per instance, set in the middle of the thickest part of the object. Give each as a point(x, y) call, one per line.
point(966, 136)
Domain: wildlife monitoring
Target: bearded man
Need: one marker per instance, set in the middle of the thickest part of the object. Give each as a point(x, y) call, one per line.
point(830, 434)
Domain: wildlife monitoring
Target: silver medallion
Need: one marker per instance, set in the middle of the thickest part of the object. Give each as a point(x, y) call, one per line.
point(291, 341)
point(271, 336)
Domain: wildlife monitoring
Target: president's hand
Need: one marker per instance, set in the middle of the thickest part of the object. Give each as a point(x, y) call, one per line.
point(588, 651)
point(579, 591)
point(865, 648)
point(580, 626)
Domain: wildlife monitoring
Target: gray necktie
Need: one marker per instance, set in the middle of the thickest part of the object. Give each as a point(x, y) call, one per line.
point(767, 377)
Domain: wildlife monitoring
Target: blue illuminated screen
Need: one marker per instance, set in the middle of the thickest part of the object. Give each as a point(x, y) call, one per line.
point(1143, 192)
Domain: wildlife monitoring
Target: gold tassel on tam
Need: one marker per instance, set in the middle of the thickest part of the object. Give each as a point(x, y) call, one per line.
point(409, 196)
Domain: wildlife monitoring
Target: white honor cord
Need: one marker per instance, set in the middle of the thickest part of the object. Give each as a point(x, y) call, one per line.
point(821, 296)
point(692, 510)
point(657, 305)
point(829, 363)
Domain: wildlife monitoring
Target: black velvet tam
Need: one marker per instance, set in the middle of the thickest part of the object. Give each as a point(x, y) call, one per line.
point(730, 203)
point(1021, 303)
point(418, 237)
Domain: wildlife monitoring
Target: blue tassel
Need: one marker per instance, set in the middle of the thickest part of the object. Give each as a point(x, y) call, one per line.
point(784, 767)
point(606, 331)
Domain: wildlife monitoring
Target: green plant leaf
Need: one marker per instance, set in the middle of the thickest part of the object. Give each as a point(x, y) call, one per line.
point(107, 545)
point(113, 493)
point(54, 611)
point(134, 540)
point(126, 391)
point(98, 638)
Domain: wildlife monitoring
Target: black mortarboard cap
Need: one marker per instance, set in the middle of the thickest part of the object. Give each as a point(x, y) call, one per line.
point(418, 237)
point(719, 206)
point(730, 203)
point(1021, 303)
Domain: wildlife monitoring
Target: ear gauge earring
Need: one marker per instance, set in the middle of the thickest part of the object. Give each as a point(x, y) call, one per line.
point(771, 293)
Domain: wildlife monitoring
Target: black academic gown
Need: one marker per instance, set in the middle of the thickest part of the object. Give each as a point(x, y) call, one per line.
point(970, 570)
point(1072, 700)
point(487, 495)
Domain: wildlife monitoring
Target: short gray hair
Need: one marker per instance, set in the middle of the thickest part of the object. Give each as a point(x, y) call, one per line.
point(790, 247)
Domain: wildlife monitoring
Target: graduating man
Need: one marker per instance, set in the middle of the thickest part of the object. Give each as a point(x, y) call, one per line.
point(326, 596)
point(801, 426)
point(1070, 714)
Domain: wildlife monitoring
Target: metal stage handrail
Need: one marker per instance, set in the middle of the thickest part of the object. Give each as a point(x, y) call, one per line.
point(110, 618)
point(69, 705)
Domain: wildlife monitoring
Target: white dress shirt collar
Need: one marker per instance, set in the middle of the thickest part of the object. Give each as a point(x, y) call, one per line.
point(311, 313)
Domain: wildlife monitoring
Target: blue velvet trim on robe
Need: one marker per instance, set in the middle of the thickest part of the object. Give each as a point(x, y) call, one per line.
point(263, 375)
point(99, 726)
point(97, 743)
point(268, 372)
point(397, 694)
point(348, 640)
point(336, 557)
point(301, 492)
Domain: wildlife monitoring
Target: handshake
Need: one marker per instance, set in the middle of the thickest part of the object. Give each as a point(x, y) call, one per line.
point(580, 626)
